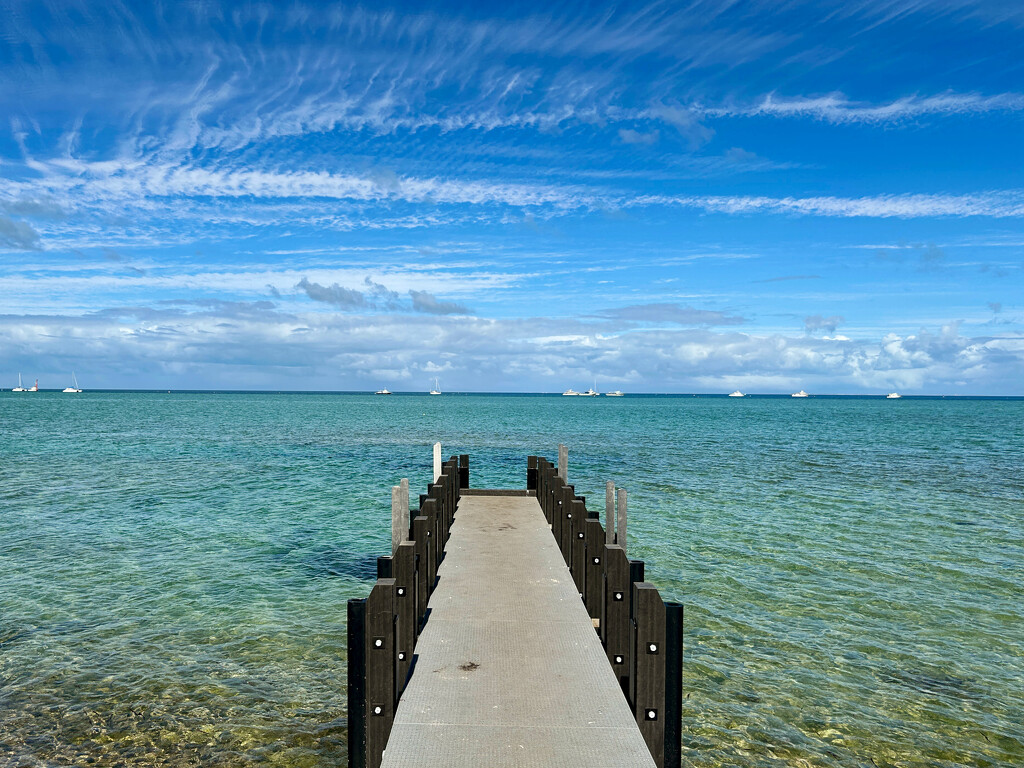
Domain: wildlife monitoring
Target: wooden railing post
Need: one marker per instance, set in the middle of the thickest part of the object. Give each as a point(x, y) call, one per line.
point(615, 616)
point(554, 497)
point(456, 482)
point(616, 621)
point(380, 669)
point(437, 496)
point(609, 511)
point(451, 491)
point(357, 683)
point(399, 517)
point(464, 470)
point(649, 654)
point(620, 519)
point(673, 685)
point(566, 495)
point(595, 544)
point(531, 473)
point(579, 545)
point(550, 499)
point(424, 566)
point(435, 546)
point(404, 572)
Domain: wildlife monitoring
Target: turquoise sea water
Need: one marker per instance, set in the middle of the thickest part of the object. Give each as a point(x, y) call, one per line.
point(174, 568)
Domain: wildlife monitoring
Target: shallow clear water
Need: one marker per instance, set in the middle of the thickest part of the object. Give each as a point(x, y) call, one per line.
point(174, 568)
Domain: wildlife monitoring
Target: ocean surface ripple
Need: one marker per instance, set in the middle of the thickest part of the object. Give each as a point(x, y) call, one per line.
point(174, 568)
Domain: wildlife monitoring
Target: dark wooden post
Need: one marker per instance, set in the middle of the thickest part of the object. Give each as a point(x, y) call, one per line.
point(464, 470)
point(673, 685)
point(648, 684)
point(616, 622)
point(380, 669)
point(440, 510)
point(579, 545)
point(451, 488)
point(531, 473)
point(433, 538)
point(594, 592)
point(615, 618)
point(424, 564)
point(544, 487)
point(552, 494)
point(357, 683)
point(404, 572)
point(456, 474)
point(555, 515)
point(566, 495)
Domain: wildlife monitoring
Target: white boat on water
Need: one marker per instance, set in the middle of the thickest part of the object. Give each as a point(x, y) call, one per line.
point(591, 391)
point(34, 387)
point(437, 388)
point(570, 392)
point(801, 393)
point(19, 388)
point(737, 393)
point(893, 396)
point(382, 392)
point(616, 393)
point(74, 384)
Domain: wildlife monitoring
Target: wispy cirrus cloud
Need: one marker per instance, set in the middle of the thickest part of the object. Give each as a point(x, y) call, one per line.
point(837, 108)
point(74, 182)
point(147, 187)
point(995, 204)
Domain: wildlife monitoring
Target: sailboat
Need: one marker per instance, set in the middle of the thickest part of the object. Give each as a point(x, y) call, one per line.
point(592, 392)
point(19, 388)
point(74, 384)
point(437, 388)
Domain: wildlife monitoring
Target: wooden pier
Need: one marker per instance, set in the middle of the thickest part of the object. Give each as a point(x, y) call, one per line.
point(509, 629)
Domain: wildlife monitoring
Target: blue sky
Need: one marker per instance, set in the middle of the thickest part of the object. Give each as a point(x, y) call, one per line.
point(664, 197)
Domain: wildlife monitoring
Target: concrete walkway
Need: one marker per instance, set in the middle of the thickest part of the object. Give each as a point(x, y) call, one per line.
point(509, 669)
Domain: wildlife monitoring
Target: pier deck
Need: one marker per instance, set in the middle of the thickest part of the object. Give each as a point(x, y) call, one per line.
point(509, 670)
